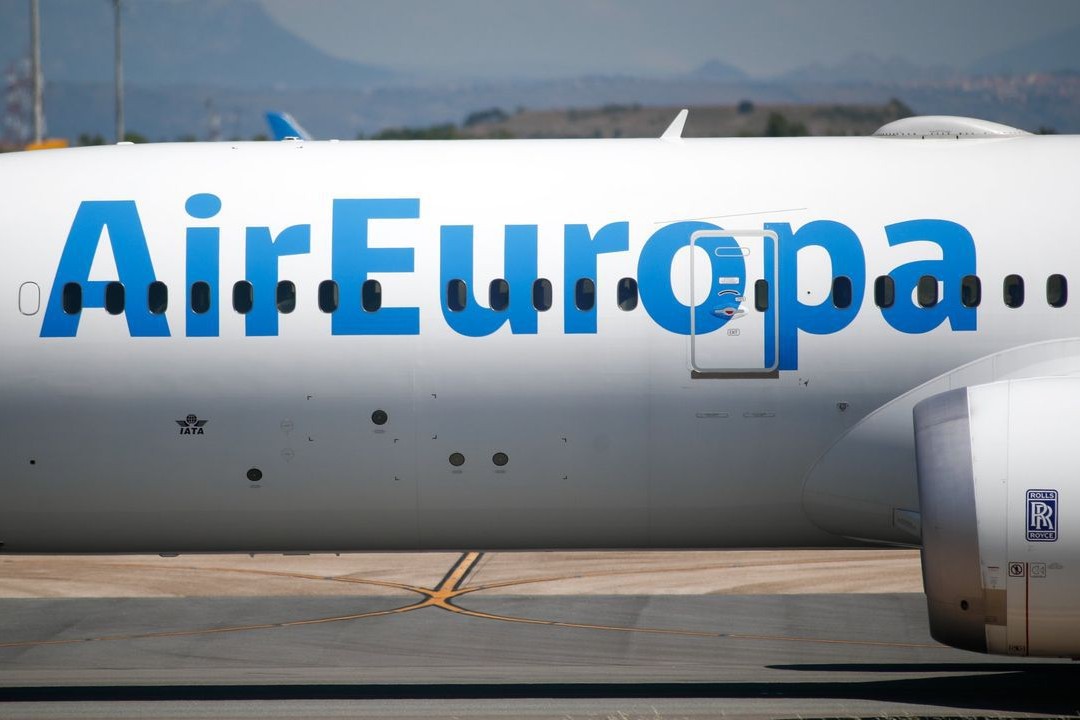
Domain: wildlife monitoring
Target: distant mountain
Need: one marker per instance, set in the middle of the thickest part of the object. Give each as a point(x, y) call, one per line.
point(223, 43)
point(1056, 53)
point(865, 68)
point(210, 68)
point(204, 111)
point(719, 71)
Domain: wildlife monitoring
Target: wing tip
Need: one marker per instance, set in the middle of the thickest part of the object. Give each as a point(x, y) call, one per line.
point(675, 129)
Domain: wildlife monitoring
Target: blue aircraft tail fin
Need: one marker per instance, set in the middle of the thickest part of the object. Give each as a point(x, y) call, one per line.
point(283, 125)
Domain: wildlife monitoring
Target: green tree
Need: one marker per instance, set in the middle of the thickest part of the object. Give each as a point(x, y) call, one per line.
point(898, 109)
point(779, 126)
point(491, 115)
point(446, 131)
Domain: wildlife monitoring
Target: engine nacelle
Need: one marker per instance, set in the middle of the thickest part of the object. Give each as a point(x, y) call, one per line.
point(999, 486)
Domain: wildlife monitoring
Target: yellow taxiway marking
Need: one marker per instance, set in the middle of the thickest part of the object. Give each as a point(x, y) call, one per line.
point(442, 596)
point(433, 597)
point(286, 574)
point(683, 633)
point(211, 631)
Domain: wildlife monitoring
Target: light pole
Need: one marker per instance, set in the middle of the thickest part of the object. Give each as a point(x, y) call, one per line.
point(119, 72)
point(35, 70)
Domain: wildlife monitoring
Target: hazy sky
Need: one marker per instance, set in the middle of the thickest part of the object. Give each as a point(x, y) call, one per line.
point(498, 38)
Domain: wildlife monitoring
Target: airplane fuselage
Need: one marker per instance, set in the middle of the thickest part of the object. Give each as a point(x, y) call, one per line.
point(421, 425)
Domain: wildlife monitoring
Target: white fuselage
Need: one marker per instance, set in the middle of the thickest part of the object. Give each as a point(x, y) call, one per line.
point(611, 440)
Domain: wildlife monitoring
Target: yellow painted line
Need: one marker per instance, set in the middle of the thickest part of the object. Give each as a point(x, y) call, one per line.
point(458, 572)
point(283, 574)
point(604, 573)
point(214, 631)
point(433, 598)
point(644, 571)
point(582, 626)
point(684, 633)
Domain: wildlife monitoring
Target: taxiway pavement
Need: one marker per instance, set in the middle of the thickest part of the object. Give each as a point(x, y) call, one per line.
point(506, 635)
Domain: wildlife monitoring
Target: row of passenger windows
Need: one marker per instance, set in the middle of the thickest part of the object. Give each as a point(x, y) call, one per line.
point(243, 296)
point(927, 291)
point(457, 295)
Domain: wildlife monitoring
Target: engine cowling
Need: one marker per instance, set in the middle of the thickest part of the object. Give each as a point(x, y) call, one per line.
point(999, 487)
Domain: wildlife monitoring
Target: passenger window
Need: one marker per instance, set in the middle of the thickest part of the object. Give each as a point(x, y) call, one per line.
point(243, 297)
point(841, 291)
point(72, 298)
point(286, 296)
point(585, 294)
point(328, 296)
point(884, 291)
point(761, 295)
point(926, 292)
point(157, 298)
point(371, 295)
point(970, 291)
point(1057, 291)
point(1013, 289)
point(628, 294)
point(499, 295)
point(541, 292)
point(114, 298)
point(456, 295)
point(29, 298)
point(200, 297)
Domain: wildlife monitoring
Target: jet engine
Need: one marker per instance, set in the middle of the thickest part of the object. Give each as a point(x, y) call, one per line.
point(999, 487)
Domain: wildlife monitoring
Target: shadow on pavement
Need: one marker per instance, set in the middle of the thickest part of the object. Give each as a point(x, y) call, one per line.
point(1010, 687)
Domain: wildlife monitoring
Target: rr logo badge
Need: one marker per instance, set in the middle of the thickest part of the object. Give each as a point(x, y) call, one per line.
point(1042, 515)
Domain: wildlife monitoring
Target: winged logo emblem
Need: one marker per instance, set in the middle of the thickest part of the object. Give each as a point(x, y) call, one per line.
point(192, 425)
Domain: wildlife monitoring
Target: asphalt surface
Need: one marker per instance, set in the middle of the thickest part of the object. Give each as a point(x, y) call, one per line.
point(455, 649)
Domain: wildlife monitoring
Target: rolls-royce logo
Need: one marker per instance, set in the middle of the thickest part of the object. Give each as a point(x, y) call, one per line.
point(1042, 515)
point(192, 425)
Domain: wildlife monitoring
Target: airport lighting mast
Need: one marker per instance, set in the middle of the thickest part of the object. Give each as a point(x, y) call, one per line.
point(35, 71)
point(119, 73)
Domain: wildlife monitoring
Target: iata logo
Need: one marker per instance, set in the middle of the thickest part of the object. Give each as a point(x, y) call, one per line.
point(1042, 508)
point(192, 425)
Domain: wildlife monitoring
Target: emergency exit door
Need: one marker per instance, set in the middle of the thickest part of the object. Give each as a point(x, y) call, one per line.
point(733, 328)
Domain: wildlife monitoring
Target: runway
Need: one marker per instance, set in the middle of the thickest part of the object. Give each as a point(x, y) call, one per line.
point(478, 641)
